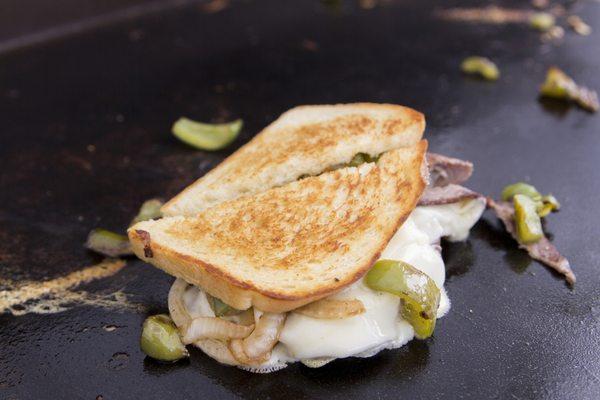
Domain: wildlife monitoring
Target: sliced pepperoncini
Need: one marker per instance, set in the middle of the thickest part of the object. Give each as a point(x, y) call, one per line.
point(221, 309)
point(419, 294)
point(521, 188)
point(149, 210)
point(527, 220)
point(542, 21)
point(206, 136)
point(160, 339)
point(481, 66)
point(559, 85)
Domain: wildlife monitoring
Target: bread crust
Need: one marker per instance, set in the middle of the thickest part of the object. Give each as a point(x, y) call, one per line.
point(266, 259)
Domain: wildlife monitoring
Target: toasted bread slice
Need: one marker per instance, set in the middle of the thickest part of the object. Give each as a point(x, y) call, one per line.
point(306, 140)
point(289, 246)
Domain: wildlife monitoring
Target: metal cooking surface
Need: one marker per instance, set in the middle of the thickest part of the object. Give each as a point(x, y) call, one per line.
point(85, 140)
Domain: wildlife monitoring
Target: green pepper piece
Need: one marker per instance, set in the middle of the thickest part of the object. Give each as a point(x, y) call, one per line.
point(160, 339)
point(550, 199)
point(361, 158)
point(206, 136)
point(543, 209)
point(481, 66)
point(358, 159)
point(521, 188)
point(149, 210)
point(547, 205)
point(108, 243)
point(542, 21)
point(221, 309)
point(419, 294)
point(557, 84)
point(527, 220)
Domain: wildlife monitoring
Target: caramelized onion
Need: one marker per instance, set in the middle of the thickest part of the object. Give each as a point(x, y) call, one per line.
point(213, 347)
point(257, 347)
point(332, 309)
point(214, 328)
point(179, 314)
point(218, 350)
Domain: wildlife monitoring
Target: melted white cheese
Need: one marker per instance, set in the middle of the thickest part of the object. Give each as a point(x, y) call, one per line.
point(380, 327)
point(416, 243)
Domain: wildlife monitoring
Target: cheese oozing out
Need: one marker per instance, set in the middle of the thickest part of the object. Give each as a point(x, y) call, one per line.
point(381, 326)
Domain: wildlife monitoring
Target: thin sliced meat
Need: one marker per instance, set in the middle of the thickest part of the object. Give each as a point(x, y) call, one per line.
point(542, 250)
point(446, 170)
point(433, 196)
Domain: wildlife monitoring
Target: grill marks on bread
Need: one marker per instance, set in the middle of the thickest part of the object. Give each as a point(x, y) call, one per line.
point(295, 243)
point(304, 141)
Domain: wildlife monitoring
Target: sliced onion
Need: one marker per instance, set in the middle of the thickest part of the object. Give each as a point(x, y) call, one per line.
point(236, 347)
point(265, 336)
point(332, 309)
point(218, 350)
point(177, 309)
point(246, 317)
point(214, 328)
point(257, 347)
point(214, 348)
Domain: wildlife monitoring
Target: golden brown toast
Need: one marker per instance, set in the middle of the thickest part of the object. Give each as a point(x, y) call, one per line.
point(290, 245)
point(305, 140)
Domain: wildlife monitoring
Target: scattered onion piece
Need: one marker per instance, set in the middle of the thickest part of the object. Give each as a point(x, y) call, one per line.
point(332, 309)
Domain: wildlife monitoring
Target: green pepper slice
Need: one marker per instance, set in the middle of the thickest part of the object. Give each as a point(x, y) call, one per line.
point(149, 210)
point(419, 294)
point(206, 136)
point(481, 66)
point(527, 220)
point(221, 309)
point(521, 188)
point(109, 243)
point(160, 339)
point(542, 21)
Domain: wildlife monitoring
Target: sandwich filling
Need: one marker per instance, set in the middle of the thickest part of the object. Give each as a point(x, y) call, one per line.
point(356, 322)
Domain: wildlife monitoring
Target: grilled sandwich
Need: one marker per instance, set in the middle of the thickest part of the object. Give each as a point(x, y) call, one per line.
point(324, 247)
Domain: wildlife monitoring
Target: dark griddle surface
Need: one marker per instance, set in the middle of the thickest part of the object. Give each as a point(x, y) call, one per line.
point(515, 331)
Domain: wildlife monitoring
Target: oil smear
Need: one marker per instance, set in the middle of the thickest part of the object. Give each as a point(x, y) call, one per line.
point(55, 295)
point(486, 15)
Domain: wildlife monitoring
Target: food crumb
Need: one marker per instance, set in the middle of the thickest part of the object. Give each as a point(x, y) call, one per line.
point(578, 26)
point(367, 4)
point(91, 148)
point(109, 328)
point(555, 33)
point(310, 45)
point(214, 6)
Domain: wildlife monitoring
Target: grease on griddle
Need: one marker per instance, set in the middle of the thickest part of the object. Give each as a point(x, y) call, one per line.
point(485, 15)
point(55, 295)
